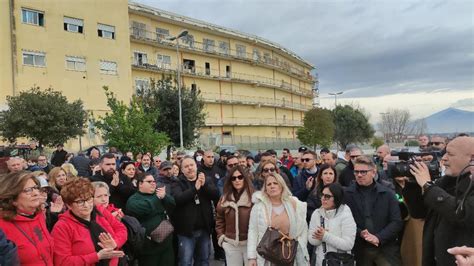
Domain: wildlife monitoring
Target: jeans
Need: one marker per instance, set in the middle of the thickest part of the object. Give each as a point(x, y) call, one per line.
point(196, 247)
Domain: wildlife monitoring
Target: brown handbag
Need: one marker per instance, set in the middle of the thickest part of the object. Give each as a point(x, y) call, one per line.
point(162, 231)
point(277, 247)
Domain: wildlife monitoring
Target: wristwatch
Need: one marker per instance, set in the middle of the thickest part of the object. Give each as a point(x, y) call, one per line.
point(428, 185)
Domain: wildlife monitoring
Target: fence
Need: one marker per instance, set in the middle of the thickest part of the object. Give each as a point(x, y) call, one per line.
point(248, 142)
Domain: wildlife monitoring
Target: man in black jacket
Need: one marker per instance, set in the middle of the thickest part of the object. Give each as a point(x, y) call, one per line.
point(192, 218)
point(120, 187)
point(449, 201)
point(347, 177)
point(377, 215)
point(59, 156)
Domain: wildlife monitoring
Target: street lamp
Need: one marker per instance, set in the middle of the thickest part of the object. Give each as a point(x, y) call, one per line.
point(335, 97)
point(180, 35)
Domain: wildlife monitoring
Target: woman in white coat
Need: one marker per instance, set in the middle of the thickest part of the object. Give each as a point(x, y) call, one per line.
point(339, 230)
point(274, 206)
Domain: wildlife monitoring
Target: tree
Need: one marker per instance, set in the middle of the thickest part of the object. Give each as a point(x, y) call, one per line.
point(45, 116)
point(163, 96)
point(377, 142)
point(395, 124)
point(352, 126)
point(318, 128)
point(129, 127)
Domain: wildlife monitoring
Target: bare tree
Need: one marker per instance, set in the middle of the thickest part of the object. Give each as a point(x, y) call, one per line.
point(417, 127)
point(395, 124)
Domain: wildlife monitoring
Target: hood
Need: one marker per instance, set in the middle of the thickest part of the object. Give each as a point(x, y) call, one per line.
point(259, 196)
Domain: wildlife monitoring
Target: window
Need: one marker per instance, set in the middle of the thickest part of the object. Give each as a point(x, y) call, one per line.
point(139, 58)
point(34, 59)
point(267, 58)
point(256, 54)
point(189, 66)
point(164, 61)
point(208, 45)
point(106, 31)
point(240, 50)
point(108, 67)
point(227, 71)
point(73, 25)
point(208, 68)
point(188, 40)
point(142, 85)
point(224, 48)
point(138, 29)
point(33, 17)
point(75, 63)
point(162, 33)
point(193, 88)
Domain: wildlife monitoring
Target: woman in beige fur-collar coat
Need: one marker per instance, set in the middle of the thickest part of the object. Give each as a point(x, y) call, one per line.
point(233, 214)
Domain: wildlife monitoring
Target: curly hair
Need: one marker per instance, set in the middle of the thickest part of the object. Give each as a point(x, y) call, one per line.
point(12, 186)
point(77, 188)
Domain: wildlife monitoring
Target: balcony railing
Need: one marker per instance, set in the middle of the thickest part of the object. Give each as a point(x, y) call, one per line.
point(252, 100)
point(236, 121)
point(256, 80)
point(254, 58)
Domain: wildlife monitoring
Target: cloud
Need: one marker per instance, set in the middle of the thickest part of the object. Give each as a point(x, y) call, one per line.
point(466, 104)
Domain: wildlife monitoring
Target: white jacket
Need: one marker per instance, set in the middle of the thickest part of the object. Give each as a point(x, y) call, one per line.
point(340, 231)
point(258, 225)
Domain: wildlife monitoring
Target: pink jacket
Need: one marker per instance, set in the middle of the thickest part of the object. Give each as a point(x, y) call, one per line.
point(73, 243)
point(40, 253)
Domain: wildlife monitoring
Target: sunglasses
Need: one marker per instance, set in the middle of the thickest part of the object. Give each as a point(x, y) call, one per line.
point(306, 160)
point(437, 143)
point(361, 172)
point(235, 177)
point(326, 196)
point(232, 165)
point(268, 170)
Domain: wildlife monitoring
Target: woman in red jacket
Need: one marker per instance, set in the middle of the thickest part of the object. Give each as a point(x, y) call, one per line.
point(86, 235)
point(23, 221)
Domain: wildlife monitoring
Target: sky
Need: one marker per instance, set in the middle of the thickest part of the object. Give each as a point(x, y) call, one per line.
point(415, 55)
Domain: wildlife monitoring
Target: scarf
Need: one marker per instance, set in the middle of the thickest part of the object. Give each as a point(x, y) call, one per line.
point(94, 229)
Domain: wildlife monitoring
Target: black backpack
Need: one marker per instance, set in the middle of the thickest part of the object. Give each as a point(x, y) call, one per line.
point(136, 237)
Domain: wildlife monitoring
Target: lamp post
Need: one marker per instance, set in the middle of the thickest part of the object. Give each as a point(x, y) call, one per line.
point(335, 97)
point(180, 35)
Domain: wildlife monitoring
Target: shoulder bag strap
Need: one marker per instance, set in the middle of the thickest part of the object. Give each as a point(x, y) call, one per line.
point(31, 241)
point(321, 218)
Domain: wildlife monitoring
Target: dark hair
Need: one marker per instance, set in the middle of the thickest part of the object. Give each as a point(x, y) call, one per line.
point(326, 150)
point(94, 161)
point(266, 154)
point(319, 179)
point(315, 156)
point(107, 156)
point(337, 192)
point(140, 177)
point(12, 186)
point(272, 152)
point(287, 150)
point(125, 164)
point(230, 157)
point(229, 188)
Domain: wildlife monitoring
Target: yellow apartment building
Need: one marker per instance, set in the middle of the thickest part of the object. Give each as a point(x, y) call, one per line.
point(253, 88)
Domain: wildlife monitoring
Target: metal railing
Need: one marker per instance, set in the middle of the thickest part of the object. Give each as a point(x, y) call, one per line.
point(238, 121)
point(157, 38)
point(252, 143)
point(154, 65)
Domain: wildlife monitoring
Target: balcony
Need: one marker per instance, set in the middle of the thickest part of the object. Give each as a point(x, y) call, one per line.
point(150, 37)
point(251, 100)
point(208, 73)
point(235, 121)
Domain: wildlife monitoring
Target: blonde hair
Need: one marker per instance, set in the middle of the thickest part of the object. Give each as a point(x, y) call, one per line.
point(53, 173)
point(69, 169)
point(285, 191)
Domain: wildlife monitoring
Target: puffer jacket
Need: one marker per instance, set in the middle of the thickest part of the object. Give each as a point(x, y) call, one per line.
point(258, 225)
point(340, 231)
point(232, 220)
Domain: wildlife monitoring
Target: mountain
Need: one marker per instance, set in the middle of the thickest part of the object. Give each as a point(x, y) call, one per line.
point(450, 120)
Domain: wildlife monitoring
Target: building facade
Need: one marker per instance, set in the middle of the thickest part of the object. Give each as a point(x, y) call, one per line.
point(252, 87)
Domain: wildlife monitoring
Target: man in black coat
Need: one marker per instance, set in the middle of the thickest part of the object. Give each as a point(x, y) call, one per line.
point(192, 218)
point(346, 177)
point(449, 202)
point(59, 156)
point(377, 215)
point(120, 187)
point(81, 163)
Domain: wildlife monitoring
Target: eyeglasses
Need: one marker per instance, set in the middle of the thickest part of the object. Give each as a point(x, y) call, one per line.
point(437, 143)
point(235, 177)
point(82, 202)
point(29, 190)
point(354, 156)
point(232, 165)
point(158, 161)
point(361, 172)
point(306, 160)
point(326, 196)
point(268, 170)
point(150, 181)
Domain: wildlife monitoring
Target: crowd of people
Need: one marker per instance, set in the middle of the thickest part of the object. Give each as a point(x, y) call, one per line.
point(137, 209)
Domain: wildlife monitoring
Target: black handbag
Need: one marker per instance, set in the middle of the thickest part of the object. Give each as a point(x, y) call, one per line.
point(336, 258)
